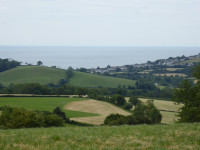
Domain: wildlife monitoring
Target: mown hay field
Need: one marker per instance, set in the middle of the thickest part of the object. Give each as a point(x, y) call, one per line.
point(94, 106)
point(168, 109)
point(173, 69)
point(44, 104)
point(171, 74)
point(138, 137)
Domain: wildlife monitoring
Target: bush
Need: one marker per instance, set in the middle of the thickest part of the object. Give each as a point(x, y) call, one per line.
point(128, 106)
point(57, 111)
point(117, 119)
point(143, 114)
point(21, 118)
point(148, 113)
point(114, 119)
point(118, 100)
point(134, 100)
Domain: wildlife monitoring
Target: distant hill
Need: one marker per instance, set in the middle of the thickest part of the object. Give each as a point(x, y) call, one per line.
point(91, 80)
point(45, 75)
point(31, 74)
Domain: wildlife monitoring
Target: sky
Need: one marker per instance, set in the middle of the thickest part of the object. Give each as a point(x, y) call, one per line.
point(100, 22)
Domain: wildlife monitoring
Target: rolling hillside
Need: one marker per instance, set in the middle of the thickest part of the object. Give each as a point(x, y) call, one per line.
point(45, 75)
point(31, 74)
point(92, 80)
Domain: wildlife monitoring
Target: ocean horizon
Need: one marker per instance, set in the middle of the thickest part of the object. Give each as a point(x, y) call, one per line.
point(91, 57)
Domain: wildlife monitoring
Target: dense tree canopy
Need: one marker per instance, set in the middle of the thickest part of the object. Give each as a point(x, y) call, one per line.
point(189, 95)
point(6, 64)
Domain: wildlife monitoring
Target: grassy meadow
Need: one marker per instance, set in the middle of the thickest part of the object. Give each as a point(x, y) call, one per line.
point(84, 110)
point(145, 137)
point(44, 104)
point(31, 74)
point(81, 79)
point(46, 75)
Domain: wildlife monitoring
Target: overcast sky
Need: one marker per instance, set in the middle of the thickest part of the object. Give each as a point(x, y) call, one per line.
point(100, 22)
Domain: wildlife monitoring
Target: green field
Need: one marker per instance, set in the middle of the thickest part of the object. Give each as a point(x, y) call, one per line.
point(91, 80)
point(32, 74)
point(44, 104)
point(138, 137)
point(46, 75)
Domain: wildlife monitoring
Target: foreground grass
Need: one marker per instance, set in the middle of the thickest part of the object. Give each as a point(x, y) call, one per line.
point(44, 104)
point(147, 137)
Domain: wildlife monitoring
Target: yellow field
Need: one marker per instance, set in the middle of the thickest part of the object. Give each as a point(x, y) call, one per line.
point(173, 69)
point(93, 106)
point(171, 74)
point(144, 72)
point(168, 109)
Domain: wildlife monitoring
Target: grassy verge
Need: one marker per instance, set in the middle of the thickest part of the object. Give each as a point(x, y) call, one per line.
point(147, 137)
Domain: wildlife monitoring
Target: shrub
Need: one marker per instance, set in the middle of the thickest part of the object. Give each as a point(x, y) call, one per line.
point(21, 118)
point(128, 106)
point(117, 119)
point(148, 113)
point(118, 100)
point(143, 114)
point(114, 119)
point(134, 100)
point(53, 120)
point(57, 111)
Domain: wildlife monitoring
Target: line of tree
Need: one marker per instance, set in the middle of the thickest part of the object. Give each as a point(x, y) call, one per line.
point(97, 93)
point(6, 64)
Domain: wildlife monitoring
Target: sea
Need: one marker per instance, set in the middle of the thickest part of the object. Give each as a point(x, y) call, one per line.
point(91, 57)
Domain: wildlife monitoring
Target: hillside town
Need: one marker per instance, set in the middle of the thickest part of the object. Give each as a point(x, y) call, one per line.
point(170, 62)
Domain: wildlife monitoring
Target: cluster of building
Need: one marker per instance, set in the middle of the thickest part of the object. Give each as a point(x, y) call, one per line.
point(170, 62)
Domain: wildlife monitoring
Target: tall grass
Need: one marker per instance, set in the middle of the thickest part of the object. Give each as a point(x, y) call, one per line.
point(148, 137)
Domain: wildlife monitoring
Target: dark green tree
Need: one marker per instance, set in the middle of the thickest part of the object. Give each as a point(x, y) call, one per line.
point(57, 111)
point(148, 113)
point(189, 95)
point(134, 100)
point(118, 100)
point(80, 92)
point(39, 63)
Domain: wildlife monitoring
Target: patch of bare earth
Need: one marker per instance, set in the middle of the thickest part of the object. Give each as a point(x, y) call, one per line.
point(93, 106)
